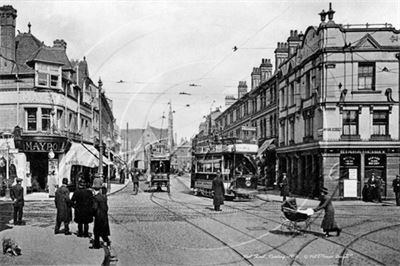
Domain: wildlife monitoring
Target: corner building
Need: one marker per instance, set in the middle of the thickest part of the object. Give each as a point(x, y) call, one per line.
point(47, 102)
point(339, 108)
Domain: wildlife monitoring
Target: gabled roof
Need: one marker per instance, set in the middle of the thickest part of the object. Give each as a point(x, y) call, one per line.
point(25, 45)
point(29, 49)
point(367, 42)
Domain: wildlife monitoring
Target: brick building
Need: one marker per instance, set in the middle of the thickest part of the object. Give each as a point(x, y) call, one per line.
point(48, 102)
point(331, 108)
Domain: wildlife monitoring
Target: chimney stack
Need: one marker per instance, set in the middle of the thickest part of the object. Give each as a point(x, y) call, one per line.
point(7, 38)
point(281, 54)
point(229, 100)
point(255, 78)
point(266, 69)
point(60, 44)
point(242, 89)
point(293, 41)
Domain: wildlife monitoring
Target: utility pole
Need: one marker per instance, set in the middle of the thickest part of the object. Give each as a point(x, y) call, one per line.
point(100, 169)
point(126, 144)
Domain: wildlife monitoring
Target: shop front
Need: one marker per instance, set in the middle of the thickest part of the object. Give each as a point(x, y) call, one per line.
point(357, 167)
point(42, 156)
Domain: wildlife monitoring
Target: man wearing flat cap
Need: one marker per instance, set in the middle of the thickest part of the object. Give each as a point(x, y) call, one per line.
point(396, 189)
point(17, 196)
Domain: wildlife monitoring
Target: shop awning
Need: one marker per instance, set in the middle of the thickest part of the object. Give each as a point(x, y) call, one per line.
point(80, 154)
point(267, 145)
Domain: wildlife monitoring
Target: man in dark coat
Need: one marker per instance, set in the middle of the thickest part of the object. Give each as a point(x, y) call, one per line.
point(100, 210)
point(219, 192)
point(63, 205)
point(82, 201)
point(375, 184)
point(396, 189)
point(284, 186)
point(328, 223)
point(135, 181)
point(17, 196)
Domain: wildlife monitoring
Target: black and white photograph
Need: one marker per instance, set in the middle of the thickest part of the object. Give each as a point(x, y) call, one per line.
point(209, 132)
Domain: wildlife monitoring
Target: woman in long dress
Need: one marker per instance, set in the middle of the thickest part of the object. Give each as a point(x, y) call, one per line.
point(328, 223)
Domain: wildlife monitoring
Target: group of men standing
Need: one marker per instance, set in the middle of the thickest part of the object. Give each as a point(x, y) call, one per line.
point(89, 204)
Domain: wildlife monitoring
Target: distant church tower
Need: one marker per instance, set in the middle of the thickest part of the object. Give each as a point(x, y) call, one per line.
point(170, 128)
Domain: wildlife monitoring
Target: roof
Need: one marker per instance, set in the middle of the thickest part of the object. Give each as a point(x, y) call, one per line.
point(25, 45)
point(28, 48)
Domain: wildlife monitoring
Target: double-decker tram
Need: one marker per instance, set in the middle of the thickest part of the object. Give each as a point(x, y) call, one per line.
point(235, 162)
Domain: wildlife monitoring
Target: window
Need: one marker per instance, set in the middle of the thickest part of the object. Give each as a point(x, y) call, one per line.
point(366, 76)
point(308, 85)
point(283, 132)
point(31, 119)
point(47, 75)
point(308, 124)
point(350, 123)
point(380, 123)
point(291, 94)
point(46, 119)
point(291, 129)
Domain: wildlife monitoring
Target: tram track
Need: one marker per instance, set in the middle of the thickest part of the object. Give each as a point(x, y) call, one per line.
point(272, 248)
point(346, 248)
point(243, 258)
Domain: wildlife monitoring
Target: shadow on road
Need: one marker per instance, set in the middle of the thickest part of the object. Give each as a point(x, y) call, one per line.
point(6, 212)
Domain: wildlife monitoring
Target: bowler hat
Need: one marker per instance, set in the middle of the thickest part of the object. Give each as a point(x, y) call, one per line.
point(97, 183)
point(19, 180)
point(324, 190)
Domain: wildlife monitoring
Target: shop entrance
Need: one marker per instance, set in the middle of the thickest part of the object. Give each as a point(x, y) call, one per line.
point(376, 163)
point(39, 170)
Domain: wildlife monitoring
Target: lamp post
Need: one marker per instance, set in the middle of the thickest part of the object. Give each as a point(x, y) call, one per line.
point(100, 169)
point(8, 170)
point(109, 166)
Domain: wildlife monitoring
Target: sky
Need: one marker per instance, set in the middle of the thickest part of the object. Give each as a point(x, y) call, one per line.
point(158, 48)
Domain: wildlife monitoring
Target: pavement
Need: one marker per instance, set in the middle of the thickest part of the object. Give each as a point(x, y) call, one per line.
point(302, 202)
point(40, 246)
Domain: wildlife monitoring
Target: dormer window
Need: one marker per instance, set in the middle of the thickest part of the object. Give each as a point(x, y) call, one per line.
point(48, 76)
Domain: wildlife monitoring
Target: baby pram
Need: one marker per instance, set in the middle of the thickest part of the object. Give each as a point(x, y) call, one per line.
point(293, 219)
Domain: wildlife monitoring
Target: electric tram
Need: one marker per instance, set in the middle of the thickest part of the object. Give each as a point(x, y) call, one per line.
point(235, 162)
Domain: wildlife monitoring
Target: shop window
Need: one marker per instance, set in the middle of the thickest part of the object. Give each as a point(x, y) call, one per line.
point(31, 115)
point(350, 122)
point(366, 76)
point(380, 123)
point(46, 119)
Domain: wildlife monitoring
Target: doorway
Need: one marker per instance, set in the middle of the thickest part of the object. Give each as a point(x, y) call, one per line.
point(39, 170)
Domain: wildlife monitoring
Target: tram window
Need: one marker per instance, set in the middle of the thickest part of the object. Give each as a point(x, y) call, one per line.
point(208, 167)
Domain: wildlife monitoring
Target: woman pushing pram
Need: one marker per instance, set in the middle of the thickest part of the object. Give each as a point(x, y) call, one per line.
point(294, 217)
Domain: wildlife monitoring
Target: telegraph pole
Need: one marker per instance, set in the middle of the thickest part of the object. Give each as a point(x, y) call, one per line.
point(100, 169)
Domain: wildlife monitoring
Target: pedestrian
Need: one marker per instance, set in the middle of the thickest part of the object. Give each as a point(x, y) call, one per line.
point(375, 187)
point(63, 205)
point(219, 191)
point(100, 211)
point(17, 196)
point(328, 223)
point(82, 201)
point(122, 176)
point(135, 181)
point(284, 186)
point(396, 189)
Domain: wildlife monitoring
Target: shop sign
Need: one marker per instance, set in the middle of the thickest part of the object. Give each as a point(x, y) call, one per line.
point(374, 160)
point(349, 160)
point(42, 146)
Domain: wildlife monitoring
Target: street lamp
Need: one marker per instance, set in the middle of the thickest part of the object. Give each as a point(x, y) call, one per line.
point(100, 169)
point(109, 166)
